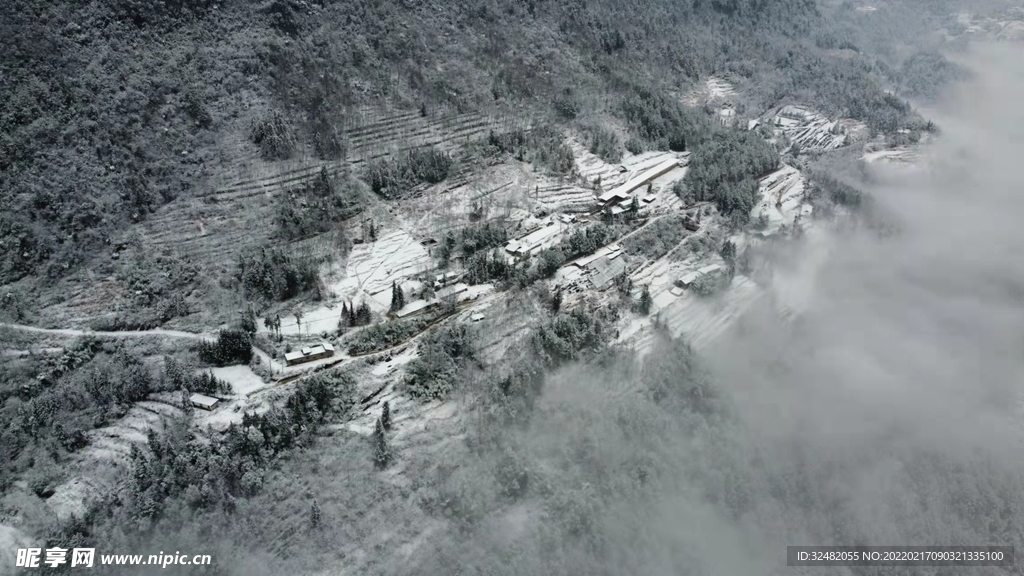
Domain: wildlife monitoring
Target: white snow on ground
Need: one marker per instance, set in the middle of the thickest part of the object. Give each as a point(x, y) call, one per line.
point(589, 166)
point(713, 90)
point(401, 359)
point(813, 131)
point(897, 157)
point(373, 267)
point(370, 270)
point(241, 378)
point(94, 469)
point(699, 320)
point(782, 196)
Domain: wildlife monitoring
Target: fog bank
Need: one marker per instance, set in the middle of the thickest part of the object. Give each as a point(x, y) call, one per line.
point(889, 413)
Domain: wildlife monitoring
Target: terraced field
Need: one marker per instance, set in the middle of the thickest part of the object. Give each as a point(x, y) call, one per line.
point(782, 195)
point(700, 321)
point(712, 91)
point(232, 211)
point(813, 131)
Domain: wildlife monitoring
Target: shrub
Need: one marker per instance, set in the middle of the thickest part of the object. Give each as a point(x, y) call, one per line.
point(438, 369)
point(634, 146)
point(586, 241)
point(233, 346)
point(273, 136)
point(548, 262)
point(384, 335)
point(389, 177)
point(319, 205)
point(604, 144)
point(271, 274)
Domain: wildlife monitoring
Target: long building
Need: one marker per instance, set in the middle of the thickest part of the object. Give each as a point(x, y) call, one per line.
point(625, 191)
point(318, 352)
point(535, 241)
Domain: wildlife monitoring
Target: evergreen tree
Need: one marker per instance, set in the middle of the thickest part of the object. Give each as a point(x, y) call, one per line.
point(634, 208)
point(645, 302)
point(385, 416)
point(249, 320)
point(556, 302)
point(373, 232)
point(314, 515)
point(381, 450)
point(397, 297)
point(343, 321)
point(363, 315)
point(729, 251)
point(394, 297)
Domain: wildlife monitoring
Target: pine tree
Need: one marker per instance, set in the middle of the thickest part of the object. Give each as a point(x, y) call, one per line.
point(634, 208)
point(394, 297)
point(363, 315)
point(729, 251)
point(314, 515)
point(385, 416)
point(381, 450)
point(249, 320)
point(556, 302)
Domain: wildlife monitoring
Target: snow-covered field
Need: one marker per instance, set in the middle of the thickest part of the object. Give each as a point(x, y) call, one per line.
point(813, 131)
point(782, 197)
point(713, 90)
point(241, 378)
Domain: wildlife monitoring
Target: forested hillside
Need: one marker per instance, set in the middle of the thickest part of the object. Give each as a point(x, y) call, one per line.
point(115, 108)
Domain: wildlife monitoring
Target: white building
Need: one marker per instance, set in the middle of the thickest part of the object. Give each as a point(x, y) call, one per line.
point(203, 401)
point(320, 351)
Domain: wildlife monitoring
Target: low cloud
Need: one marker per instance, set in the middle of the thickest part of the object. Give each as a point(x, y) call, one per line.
point(889, 413)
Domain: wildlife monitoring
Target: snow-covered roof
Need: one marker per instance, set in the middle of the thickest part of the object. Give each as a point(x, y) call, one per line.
point(203, 400)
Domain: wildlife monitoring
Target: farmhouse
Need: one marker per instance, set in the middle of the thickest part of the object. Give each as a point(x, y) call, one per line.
point(687, 279)
point(447, 278)
point(203, 401)
point(318, 352)
point(414, 307)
